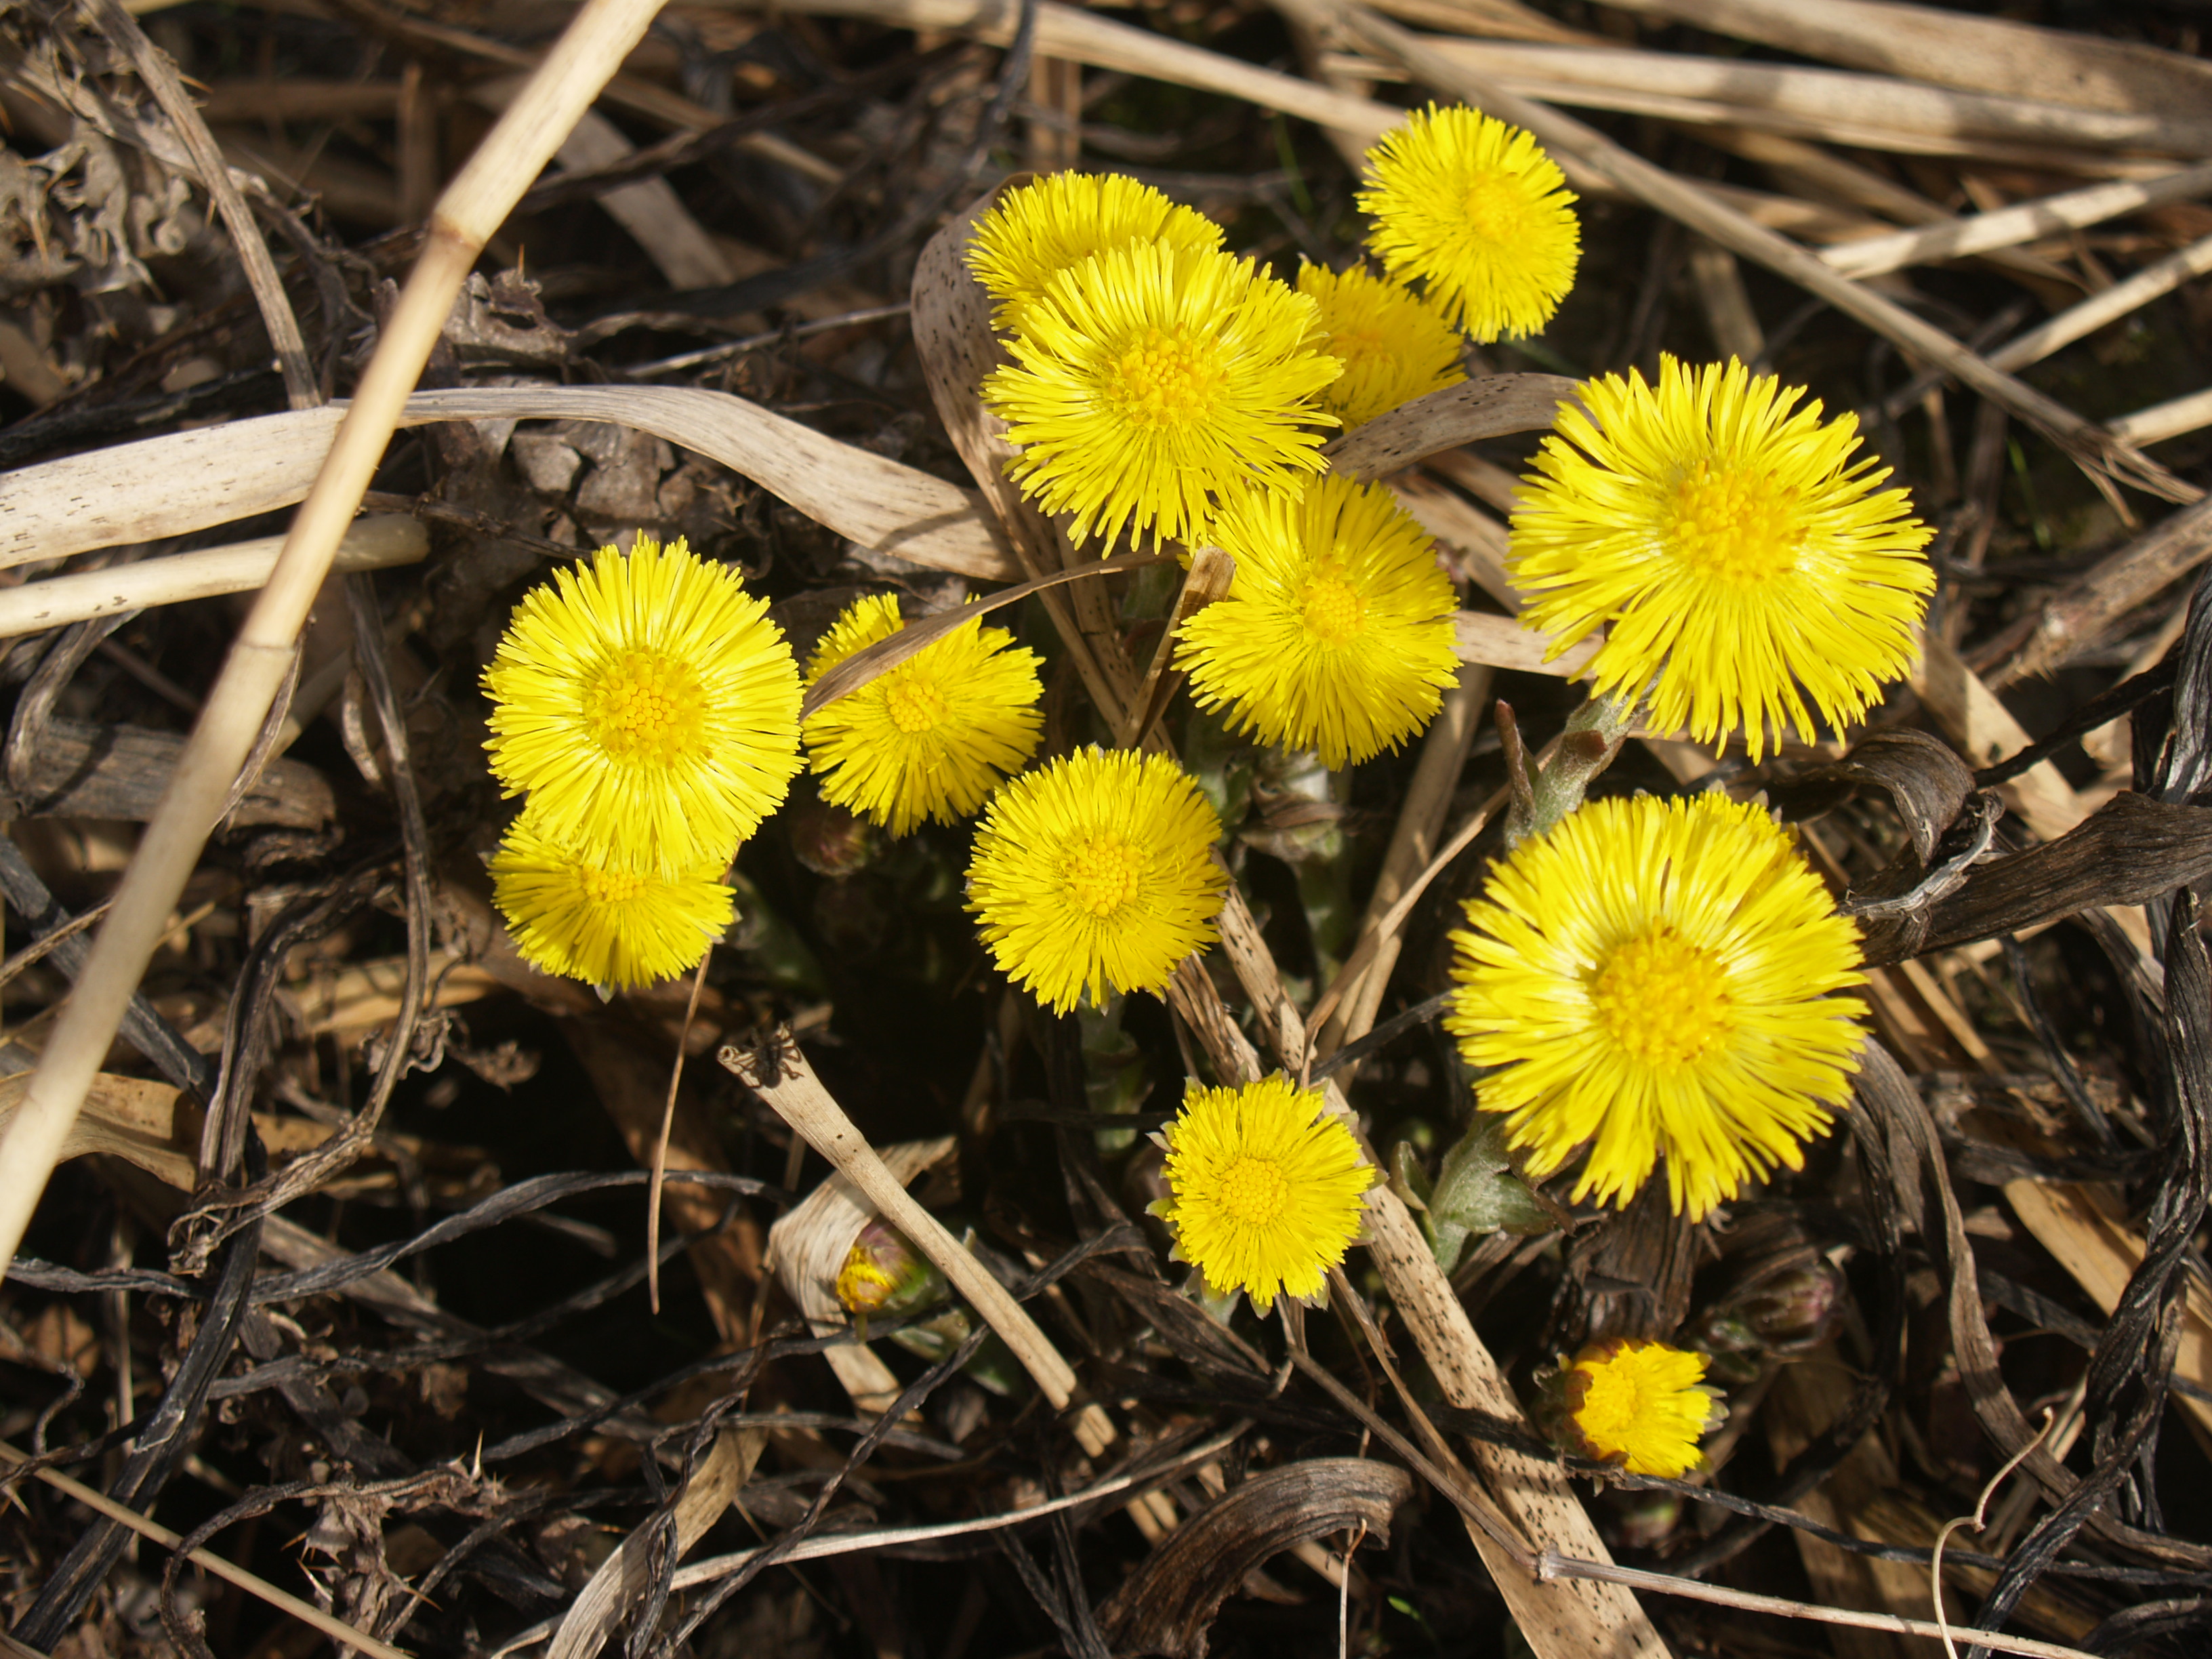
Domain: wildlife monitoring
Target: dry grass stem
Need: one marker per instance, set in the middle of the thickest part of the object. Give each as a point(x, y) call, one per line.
point(470, 210)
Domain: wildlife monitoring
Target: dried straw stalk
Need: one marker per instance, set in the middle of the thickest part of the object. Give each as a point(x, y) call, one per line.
point(473, 206)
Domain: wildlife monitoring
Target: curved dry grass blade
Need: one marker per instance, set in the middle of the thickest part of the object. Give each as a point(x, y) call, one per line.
point(474, 204)
point(1487, 408)
point(188, 481)
point(857, 670)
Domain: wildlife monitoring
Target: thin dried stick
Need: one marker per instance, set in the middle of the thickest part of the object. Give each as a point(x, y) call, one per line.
point(474, 204)
point(306, 1612)
point(160, 77)
point(371, 543)
point(2166, 420)
point(660, 1141)
point(2090, 445)
point(779, 1073)
point(2108, 305)
point(2009, 226)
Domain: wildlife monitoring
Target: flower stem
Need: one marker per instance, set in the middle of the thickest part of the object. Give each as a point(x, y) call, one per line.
point(1594, 736)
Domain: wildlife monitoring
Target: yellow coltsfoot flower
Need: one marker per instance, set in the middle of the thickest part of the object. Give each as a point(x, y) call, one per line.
point(1033, 233)
point(1476, 213)
point(1265, 1186)
point(1642, 1405)
point(1741, 560)
point(1096, 874)
point(648, 705)
point(1654, 977)
point(1150, 379)
point(614, 928)
point(934, 736)
point(1337, 633)
point(1393, 344)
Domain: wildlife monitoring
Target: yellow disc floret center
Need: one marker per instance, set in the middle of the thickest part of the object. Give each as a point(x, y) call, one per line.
point(1497, 208)
point(1168, 378)
point(1102, 874)
point(1255, 1191)
point(914, 705)
point(1663, 999)
point(1614, 1406)
point(646, 708)
point(1733, 525)
point(610, 886)
point(1333, 611)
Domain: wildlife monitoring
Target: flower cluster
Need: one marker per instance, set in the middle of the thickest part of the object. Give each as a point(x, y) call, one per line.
point(648, 711)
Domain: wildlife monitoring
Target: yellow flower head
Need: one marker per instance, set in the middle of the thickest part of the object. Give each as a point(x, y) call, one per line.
point(1659, 976)
point(1265, 1188)
point(1095, 874)
point(1393, 344)
point(1481, 216)
point(1337, 633)
point(934, 736)
point(648, 705)
point(616, 928)
point(1150, 379)
point(1036, 231)
point(1641, 1405)
point(1736, 552)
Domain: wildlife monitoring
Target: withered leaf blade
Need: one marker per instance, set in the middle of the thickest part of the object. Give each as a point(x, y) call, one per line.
point(1924, 778)
point(1488, 408)
point(2129, 851)
point(1166, 1604)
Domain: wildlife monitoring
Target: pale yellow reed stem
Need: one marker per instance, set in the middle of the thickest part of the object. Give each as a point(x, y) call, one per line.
point(473, 206)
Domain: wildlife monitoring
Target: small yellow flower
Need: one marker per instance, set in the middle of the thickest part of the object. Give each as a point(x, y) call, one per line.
point(1096, 874)
point(1479, 214)
point(931, 737)
point(615, 928)
point(1654, 976)
point(1150, 379)
point(648, 705)
point(1337, 633)
point(1393, 344)
point(1035, 233)
point(1731, 546)
point(1641, 1405)
point(1265, 1186)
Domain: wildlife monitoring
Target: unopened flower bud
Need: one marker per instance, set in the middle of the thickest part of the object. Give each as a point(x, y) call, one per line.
point(885, 1276)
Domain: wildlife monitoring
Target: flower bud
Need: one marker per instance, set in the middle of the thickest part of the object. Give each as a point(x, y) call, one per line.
point(884, 1275)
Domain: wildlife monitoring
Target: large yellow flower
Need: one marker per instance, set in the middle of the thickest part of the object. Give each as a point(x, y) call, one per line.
point(1393, 344)
point(1642, 1405)
point(1095, 874)
point(931, 737)
point(1150, 379)
point(1337, 635)
point(616, 928)
point(1033, 233)
point(1654, 976)
point(1265, 1188)
point(648, 705)
point(1734, 549)
point(1475, 212)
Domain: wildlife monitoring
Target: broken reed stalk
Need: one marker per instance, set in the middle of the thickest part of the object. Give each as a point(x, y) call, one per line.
point(473, 206)
point(779, 1073)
